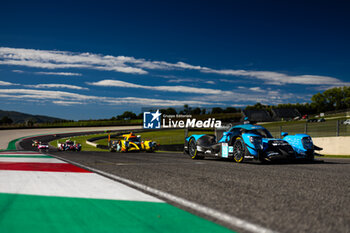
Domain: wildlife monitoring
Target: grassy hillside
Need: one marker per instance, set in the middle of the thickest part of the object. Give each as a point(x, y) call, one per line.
point(19, 117)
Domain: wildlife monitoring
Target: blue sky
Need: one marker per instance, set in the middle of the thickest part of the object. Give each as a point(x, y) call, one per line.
point(89, 60)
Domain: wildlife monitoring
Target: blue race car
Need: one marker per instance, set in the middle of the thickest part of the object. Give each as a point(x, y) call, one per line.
point(251, 142)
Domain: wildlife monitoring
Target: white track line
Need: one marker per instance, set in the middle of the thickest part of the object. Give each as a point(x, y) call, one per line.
point(22, 154)
point(225, 218)
point(30, 160)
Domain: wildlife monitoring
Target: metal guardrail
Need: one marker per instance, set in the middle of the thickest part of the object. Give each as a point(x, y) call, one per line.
point(330, 128)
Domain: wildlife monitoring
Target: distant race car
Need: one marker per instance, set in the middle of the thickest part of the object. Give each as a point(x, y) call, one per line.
point(69, 146)
point(251, 142)
point(43, 147)
point(35, 143)
point(132, 142)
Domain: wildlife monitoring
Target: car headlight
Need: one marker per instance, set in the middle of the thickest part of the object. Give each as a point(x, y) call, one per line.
point(307, 143)
point(257, 142)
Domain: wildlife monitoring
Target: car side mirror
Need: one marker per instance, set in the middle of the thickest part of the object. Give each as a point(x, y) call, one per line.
point(283, 134)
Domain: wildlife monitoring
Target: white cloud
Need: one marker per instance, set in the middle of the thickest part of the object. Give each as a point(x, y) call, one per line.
point(276, 78)
point(244, 95)
point(190, 80)
point(41, 64)
point(57, 86)
point(59, 73)
point(66, 98)
point(45, 95)
point(230, 80)
point(48, 73)
point(159, 102)
point(52, 59)
point(18, 71)
point(3, 83)
point(184, 89)
point(257, 89)
point(66, 103)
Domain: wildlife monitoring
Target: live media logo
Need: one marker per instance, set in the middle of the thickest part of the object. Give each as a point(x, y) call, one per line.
point(151, 120)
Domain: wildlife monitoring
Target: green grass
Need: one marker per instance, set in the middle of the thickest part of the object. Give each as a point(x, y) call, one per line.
point(82, 141)
point(163, 137)
point(336, 156)
point(315, 129)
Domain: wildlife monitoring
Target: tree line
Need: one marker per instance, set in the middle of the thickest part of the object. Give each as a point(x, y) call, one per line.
point(127, 115)
point(337, 98)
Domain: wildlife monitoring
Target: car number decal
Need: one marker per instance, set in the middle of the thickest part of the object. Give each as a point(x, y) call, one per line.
point(224, 150)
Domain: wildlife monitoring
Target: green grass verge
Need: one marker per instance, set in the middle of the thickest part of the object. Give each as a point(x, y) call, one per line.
point(163, 137)
point(314, 129)
point(336, 156)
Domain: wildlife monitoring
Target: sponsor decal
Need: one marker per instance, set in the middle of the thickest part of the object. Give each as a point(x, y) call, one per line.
point(224, 150)
point(191, 123)
point(152, 120)
point(230, 149)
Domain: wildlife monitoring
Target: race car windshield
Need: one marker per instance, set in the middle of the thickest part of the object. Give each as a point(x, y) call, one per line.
point(261, 132)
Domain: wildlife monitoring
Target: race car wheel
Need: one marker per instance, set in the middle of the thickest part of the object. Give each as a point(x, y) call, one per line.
point(192, 150)
point(151, 150)
point(238, 151)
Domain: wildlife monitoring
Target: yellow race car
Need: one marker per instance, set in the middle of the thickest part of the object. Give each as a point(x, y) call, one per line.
point(132, 142)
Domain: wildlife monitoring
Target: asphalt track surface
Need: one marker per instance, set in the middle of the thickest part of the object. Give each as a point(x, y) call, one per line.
point(301, 197)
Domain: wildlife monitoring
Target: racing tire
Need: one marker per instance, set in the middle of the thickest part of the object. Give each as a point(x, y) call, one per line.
point(238, 150)
point(192, 150)
point(310, 158)
point(151, 150)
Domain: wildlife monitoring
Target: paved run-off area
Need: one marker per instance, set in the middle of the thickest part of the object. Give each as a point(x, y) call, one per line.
point(41, 194)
